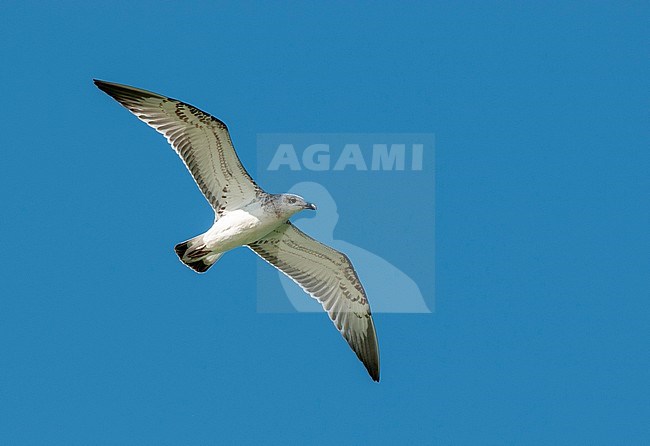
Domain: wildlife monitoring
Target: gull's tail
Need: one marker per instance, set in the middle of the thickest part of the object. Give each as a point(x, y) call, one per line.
point(194, 254)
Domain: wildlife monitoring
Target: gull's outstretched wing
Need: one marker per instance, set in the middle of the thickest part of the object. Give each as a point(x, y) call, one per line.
point(328, 276)
point(201, 140)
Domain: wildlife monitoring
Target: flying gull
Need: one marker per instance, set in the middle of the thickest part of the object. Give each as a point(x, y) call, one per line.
point(245, 215)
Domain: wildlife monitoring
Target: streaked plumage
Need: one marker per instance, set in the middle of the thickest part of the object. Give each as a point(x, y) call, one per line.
point(246, 215)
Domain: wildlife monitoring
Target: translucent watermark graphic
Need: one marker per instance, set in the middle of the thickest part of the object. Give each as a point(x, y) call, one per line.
point(375, 198)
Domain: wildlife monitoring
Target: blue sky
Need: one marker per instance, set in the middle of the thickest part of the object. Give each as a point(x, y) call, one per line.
point(540, 329)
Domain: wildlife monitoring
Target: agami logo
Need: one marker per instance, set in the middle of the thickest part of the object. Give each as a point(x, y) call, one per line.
point(364, 186)
point(322, 157)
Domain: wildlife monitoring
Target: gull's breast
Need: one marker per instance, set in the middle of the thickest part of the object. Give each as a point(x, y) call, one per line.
point(239, 227)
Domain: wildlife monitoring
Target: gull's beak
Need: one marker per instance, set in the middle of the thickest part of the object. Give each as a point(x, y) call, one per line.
point(311, 206)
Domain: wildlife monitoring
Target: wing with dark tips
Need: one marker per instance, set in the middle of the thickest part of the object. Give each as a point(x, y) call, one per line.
point(201, 140)
point(328, 276)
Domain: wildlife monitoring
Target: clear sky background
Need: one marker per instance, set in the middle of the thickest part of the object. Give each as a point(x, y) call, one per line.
point(540, 333)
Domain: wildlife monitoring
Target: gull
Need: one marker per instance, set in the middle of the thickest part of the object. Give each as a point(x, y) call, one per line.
point(245, 215)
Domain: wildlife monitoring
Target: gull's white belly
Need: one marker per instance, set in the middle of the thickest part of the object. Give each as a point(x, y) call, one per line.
point(239, 227)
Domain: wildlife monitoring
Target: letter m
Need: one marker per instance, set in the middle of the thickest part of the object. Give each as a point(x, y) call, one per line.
point(384, 159)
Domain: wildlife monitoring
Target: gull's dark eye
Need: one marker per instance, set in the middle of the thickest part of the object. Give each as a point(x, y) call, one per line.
point(292, 200)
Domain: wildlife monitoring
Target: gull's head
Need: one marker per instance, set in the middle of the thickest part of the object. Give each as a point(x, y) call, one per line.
point(291, 204)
